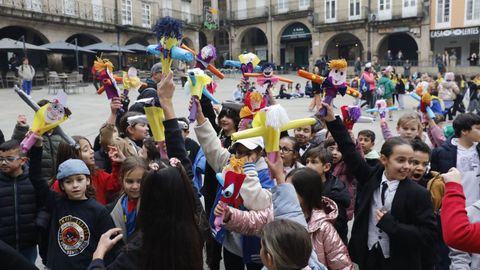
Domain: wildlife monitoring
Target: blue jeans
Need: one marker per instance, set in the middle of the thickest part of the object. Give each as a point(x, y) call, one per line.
point(30, 254)
point(27, 86)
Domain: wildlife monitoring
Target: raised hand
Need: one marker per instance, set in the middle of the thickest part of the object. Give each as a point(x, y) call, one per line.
point(115, 155)
point(107, 241)
point(330, 116)
point(453, 175)
point(276, 169)
point(166, 87)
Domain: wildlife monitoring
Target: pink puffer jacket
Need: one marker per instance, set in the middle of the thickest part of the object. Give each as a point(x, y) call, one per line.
point(326, 242)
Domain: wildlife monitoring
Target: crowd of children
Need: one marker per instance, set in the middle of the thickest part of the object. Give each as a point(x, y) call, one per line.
point(121, 204)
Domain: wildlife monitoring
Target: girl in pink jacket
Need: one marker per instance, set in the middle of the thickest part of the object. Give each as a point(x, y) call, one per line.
point(320, 213)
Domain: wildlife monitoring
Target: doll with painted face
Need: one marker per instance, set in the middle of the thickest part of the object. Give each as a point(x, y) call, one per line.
point(336, 82)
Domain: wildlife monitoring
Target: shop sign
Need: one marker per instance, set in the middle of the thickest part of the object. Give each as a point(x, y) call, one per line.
point(455, 32)
point(390, 30)
point(296, 31)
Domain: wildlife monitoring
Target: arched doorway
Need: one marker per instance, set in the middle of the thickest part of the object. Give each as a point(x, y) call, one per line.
point(398, 42)
point(36, 58)
point(295, 46)
point(222, 44)
point(202, 40)
point(344, 45)
point(85, 59)
point(254, 40)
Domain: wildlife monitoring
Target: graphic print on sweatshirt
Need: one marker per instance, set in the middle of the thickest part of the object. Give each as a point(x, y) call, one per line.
point(73, 235)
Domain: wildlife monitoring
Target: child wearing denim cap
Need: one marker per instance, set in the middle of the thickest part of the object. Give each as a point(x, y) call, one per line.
point(78, 221)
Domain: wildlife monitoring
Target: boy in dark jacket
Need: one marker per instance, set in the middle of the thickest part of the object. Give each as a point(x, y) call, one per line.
point(321, 160)
point(18, 204)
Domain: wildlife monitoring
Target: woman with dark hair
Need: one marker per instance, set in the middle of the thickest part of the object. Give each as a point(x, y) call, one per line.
point(168, 235)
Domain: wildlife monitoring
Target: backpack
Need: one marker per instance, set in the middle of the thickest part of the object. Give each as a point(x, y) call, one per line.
point(380, 91)
point(364, 86)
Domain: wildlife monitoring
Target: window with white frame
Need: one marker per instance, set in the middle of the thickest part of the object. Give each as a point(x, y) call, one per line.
point(409, 8)
point(147, 15)
point(69, 7)
point(330, 10)
point(443, 13)
point(127, 16)
point(303, 4)
point(282, 6)
point(260, 8)
point(472, 12)
point(167, 8)
point(354, 9)
point(97, 10)
point(186, 16)
point(241, 9)
point(34, 5)
point(384, 9)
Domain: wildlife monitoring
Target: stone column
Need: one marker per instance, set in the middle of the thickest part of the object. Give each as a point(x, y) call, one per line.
point(424, 59)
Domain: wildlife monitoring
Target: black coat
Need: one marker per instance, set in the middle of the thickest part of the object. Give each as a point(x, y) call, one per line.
point(18, 210)
point(410, 224)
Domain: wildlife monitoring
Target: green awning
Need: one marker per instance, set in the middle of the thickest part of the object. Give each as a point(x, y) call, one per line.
point(296, 31)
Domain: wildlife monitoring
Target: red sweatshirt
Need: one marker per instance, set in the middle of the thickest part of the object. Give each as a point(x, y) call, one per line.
point(103, 183)
point(458, 232)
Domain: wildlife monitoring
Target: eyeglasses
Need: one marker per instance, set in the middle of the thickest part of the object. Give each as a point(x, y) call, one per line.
point(8, 159)
point(285, 150)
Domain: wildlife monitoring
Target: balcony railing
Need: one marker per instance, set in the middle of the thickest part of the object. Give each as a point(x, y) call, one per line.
point(250, 13)
point(66, 8)
point(290, 7)
point(185, 17)
point(88, 12)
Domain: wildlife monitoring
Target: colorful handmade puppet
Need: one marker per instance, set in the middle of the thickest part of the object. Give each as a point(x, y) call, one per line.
point(254, 102)
point(58, 130)
point(131, 81)
point(203, 62)
point(197, 80)
point(425, 103)
point(248, 63)
point(336, 82)
point(268, 123)
point(104, 69)
point(204, 58)
point(231, 181)
point(169, 33)
point(350, 115)
point(266, 78)
point(382, 109)
point(155, 116)
point(46, 118)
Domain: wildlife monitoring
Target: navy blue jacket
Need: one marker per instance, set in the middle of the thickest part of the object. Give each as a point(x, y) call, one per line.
point(445, 156)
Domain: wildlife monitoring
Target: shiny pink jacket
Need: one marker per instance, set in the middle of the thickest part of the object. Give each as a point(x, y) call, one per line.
point(328, 245)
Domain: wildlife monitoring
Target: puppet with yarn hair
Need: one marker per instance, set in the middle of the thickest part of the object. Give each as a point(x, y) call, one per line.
point(336, 82)
point(254, 102)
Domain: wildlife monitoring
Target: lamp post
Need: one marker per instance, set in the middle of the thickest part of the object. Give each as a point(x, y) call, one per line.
point(22, 38)
point(75, 40)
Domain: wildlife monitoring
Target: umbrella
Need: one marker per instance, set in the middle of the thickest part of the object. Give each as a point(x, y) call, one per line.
point(62, 46)
point(65, 47)
point(7, 44)
point(135, 47)
point(106, 47)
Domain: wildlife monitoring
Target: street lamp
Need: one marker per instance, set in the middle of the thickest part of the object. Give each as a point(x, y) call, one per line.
point(22, 38)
